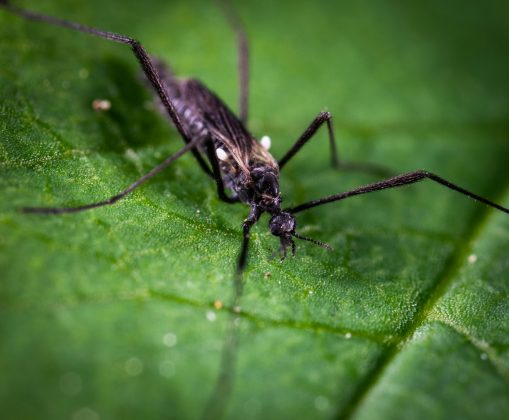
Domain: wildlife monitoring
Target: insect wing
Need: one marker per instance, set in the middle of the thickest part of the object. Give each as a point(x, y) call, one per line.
point(222, 123)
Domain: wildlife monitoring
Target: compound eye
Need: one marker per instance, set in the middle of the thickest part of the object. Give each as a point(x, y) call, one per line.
point(276, 228)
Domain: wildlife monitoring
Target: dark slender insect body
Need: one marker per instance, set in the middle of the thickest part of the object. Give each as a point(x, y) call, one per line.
point(246, 168)
point(224, 148)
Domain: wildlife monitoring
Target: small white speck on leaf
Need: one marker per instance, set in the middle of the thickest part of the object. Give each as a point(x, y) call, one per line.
point(167, 369)
point(101, 105)
point(211, 316)
point(83, 74)
point(348, 335)
point(472, 258)
point(169, 339)
point(484, 356)
point(133, 366)
point(321, 403)
point(85, 413)
point(132, 155)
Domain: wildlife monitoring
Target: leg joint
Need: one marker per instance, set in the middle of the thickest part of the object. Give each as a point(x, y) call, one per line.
point(325, 115)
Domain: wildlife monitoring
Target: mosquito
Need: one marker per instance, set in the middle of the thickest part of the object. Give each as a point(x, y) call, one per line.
point(243, 169)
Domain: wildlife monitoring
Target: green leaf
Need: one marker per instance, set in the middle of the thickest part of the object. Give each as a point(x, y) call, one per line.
point(114, 313)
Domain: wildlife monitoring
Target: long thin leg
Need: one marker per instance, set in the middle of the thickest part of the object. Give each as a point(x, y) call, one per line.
point(326, 117)
point(122, 194)
point(242, 58)
point(138, 50)
point(242, 260)
point(321, 118)
point(211, 153)
point(397, 181)
point(250, 220)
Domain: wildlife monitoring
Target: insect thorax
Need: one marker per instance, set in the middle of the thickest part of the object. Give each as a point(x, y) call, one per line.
point(263, 189)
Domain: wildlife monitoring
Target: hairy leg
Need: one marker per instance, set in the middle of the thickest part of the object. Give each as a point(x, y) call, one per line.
point(396, 181)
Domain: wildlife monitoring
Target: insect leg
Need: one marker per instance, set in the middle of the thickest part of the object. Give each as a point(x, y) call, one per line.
point(120, 195)
point(326, 117)
point(308, 134)
point(242, 58)
point(137, 49)
point(250, 220)
point(396, 181)
point(211, 153)
point(241, 262)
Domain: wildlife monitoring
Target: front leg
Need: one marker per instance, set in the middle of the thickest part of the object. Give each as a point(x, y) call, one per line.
point(250, 220)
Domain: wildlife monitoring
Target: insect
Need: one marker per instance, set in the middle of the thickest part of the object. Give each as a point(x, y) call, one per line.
point(243, 169)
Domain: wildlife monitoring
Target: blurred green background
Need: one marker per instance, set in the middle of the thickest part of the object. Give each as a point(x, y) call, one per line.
point(110, 313)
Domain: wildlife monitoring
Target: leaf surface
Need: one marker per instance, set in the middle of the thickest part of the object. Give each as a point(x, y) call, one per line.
point(114, 313)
